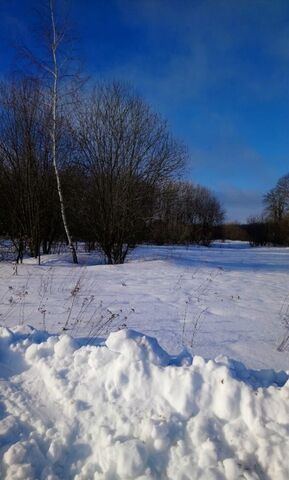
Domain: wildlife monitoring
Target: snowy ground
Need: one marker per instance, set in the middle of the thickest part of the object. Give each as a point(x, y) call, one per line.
point(121, 407)
point(128, 410)
point(230, 299)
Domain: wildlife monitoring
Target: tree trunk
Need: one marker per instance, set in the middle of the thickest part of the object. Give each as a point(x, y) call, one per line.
point(54, 101)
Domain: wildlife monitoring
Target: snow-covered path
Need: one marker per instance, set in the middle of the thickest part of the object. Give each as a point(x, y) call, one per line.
point(226, 300)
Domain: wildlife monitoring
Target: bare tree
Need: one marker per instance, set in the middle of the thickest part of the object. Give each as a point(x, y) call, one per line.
point(276, 203)
point(27, 182)
point(57, 36)
point(277, 200)
point(55, 66)
point(127, 152)
point(209, 214)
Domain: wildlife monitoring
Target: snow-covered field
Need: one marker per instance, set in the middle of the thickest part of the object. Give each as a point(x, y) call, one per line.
point(226, 300)
point(124, 408)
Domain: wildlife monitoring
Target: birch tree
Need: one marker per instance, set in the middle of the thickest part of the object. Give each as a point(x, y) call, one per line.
point(57, 37)
point(55, 65)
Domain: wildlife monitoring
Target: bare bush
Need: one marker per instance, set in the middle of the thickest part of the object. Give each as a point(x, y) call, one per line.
point(127, 153)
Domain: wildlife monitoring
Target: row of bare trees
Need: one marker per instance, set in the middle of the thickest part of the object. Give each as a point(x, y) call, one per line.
point(187, 213)
point(117, 164)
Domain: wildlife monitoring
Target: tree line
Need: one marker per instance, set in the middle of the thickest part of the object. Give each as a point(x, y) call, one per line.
point(119, 168)
point(272, 226)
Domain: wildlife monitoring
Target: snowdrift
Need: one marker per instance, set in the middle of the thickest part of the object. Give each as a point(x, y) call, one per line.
point(126, 409)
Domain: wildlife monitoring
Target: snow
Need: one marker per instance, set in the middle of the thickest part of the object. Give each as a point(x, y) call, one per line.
point(230, 299)
point(171, 366)
point(137, 347)
point(126, 409)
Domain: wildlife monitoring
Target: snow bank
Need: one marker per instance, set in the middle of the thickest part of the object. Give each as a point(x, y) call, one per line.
point(128, 410)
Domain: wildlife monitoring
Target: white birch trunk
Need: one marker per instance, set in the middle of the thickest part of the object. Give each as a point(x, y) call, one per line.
point(54, 101)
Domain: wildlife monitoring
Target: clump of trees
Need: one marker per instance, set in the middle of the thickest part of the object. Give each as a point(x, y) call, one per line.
point(118, 165)
point(187, 213)
point(27, 183)
point(277, 212)
point(272, 227)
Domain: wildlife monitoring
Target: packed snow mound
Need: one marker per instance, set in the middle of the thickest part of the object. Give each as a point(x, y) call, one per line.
point(126, 410)
point(137, 347)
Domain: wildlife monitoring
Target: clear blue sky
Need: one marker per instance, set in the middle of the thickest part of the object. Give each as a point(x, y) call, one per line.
point(218, 70)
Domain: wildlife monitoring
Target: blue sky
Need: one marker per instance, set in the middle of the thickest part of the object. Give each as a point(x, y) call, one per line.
point(218, 70)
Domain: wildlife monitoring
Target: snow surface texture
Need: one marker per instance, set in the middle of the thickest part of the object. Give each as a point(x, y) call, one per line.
point(128, 410)
point(229, 299)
